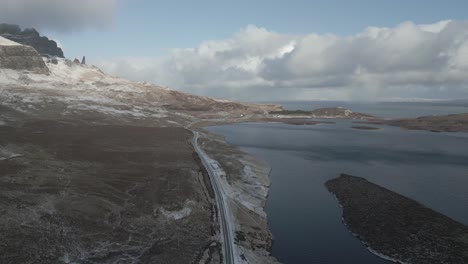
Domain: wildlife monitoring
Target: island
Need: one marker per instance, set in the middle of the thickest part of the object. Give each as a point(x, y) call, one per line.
point(365, 127)
point(322, 113)
point(436, 123)
point(295, 121)
point(396, 227)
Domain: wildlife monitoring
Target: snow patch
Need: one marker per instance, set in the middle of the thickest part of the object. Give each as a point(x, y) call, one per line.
point(108, 110)
point(7, 42)
point(248, 172)
point(6, 154)
point(173, 122)
point(179, 214)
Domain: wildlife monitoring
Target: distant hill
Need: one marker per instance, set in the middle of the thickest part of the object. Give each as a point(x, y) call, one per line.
point(443, 123)
point(30, 37)
point(332, 112)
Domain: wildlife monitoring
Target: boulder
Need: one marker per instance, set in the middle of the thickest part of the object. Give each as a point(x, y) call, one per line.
point(20, 57)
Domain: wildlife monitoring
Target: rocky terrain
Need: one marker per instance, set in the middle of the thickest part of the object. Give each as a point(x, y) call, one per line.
point(30, 37)
point(334, 112)
point(247, 184)
point(444, 123)
point(76, 91)
point(73, 192)
point(19, 57)
point(98, 169)
point(396, 227)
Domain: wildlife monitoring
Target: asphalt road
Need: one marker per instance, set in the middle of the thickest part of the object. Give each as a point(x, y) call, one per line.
point(226, 234)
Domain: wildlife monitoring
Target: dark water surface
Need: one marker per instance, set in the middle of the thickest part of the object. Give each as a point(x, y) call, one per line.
point(305, 219)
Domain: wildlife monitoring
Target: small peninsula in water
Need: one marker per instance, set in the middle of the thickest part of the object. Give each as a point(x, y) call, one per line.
point(398, 228)
point(436, 123)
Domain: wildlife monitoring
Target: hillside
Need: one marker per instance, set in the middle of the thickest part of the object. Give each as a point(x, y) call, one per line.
point(98, 169)
point(442, 123)
point(332, 112)
point(75, 91)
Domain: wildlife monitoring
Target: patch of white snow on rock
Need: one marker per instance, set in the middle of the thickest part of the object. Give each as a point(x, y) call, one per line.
point(7, 42)
point(6, 154)
point(177, 214)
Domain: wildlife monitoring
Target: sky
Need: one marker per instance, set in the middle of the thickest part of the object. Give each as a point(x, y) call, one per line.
point(267, 50)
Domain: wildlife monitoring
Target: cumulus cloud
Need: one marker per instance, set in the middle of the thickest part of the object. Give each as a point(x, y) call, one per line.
point(408, 60)
point(58, 15)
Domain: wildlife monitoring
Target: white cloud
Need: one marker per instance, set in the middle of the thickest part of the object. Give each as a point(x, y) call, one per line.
point(58, 15)
point(408, 60)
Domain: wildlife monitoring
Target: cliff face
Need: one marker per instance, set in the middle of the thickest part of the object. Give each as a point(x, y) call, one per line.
point(30, 37)
point(19, 57)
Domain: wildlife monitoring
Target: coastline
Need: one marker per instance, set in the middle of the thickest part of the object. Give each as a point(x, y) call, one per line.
point(250, 254)
point(371, 250)
point(220, 138)
point(397, 228)
point(102, 104)
point(247, 185)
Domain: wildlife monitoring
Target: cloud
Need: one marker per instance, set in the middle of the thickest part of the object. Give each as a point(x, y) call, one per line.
point(408, 60)
point(58, 15)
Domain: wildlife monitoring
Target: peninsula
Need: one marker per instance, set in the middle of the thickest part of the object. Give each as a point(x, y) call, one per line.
point(398, 228)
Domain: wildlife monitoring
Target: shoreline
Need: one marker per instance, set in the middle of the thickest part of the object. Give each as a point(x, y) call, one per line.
point(371, 250)
point(452, 123)
point(397, 228)
point(367, 246)
point(253, 237)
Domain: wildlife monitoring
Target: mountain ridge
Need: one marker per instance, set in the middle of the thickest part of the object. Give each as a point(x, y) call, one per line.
point(31, 37)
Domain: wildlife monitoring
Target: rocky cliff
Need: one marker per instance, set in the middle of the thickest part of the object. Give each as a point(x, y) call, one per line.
point(19, 57)
point(30, 37)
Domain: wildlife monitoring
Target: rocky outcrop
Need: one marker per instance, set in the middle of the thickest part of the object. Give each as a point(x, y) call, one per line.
point(30, 37)
point(19, 57)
